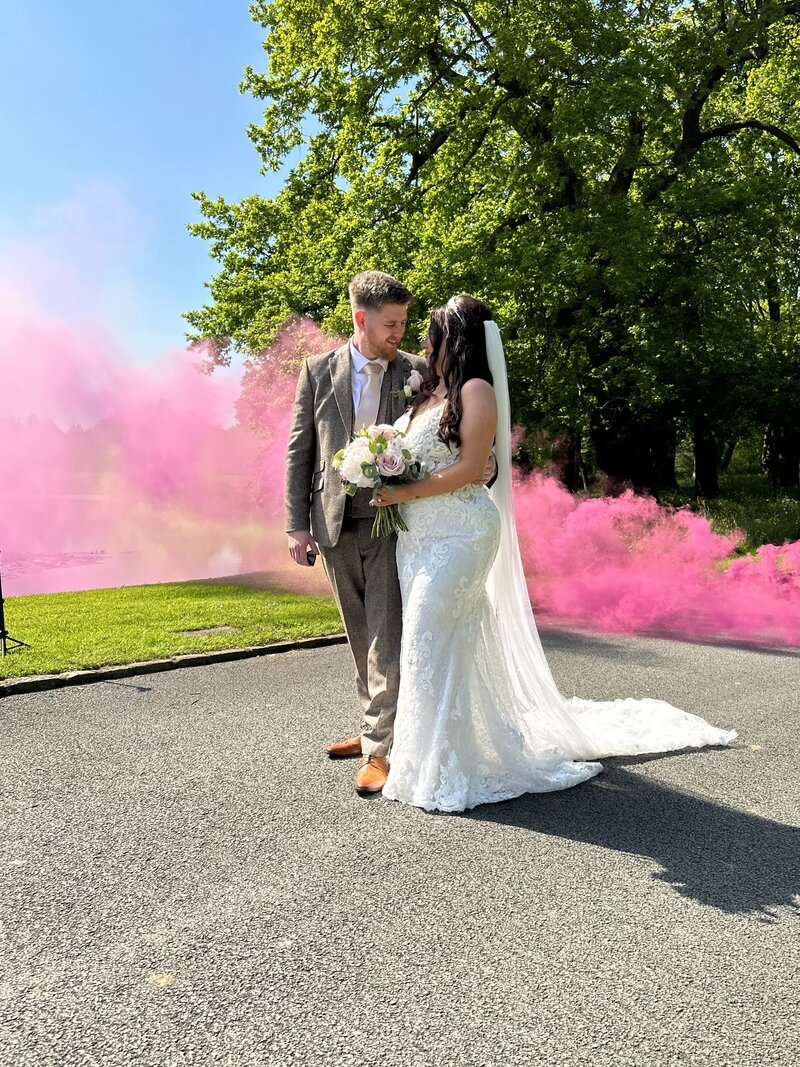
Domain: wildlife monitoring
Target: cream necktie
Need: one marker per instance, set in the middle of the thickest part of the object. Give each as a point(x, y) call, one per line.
point(370, 399)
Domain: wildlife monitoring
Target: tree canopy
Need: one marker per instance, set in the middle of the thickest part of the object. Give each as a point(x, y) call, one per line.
point(619, 180)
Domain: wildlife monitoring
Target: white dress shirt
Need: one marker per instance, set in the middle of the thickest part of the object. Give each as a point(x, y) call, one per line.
point(359, 380)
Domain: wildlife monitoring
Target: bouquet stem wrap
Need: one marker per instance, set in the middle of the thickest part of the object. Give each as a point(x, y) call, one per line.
point(388, 521)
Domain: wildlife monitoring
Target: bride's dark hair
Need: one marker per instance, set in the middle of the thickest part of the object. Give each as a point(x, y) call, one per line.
point(459, 324)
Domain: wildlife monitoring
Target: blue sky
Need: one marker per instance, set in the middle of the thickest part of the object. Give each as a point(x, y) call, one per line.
point(110, 116)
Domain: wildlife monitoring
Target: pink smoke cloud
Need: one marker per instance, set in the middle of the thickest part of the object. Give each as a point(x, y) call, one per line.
point(115, 473)
point(628, 564)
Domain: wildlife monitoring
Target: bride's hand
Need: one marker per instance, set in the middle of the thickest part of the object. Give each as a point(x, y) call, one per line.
point(391, 494)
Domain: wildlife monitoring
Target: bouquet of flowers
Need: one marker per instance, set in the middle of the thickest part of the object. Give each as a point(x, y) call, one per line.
point(378, 456)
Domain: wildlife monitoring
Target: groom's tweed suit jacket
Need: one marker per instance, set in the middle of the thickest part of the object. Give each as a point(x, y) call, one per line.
point(322, 423)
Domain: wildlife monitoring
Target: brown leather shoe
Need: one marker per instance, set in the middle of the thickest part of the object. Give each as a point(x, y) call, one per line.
point(372, 774)
point(348, 749)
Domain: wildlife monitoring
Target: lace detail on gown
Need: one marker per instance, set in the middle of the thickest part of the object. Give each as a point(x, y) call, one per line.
point(455, 743)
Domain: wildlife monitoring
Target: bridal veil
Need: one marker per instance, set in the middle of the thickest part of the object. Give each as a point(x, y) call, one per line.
point(575, 728)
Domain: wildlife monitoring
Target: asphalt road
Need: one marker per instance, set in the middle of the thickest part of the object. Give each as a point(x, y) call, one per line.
point(186, 880)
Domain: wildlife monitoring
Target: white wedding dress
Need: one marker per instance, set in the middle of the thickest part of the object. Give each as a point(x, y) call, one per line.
point(474, 724)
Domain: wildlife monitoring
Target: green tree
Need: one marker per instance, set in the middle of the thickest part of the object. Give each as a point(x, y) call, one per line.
point(618, 179)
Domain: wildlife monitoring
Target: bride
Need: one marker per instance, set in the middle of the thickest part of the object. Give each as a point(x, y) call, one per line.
point(479, 716)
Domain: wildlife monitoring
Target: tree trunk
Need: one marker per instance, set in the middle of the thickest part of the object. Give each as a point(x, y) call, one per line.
point(567, 459)
point(780, 457)
point(706, 477)
point(727, 455)
point(662, 454)
point(636, 449)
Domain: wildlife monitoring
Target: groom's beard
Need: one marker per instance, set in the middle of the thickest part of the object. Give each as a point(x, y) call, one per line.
point(381, 350)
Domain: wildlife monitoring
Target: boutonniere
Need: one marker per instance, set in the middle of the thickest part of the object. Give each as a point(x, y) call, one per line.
point(410, 386)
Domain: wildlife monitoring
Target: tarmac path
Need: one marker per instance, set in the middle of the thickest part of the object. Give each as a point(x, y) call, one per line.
point(187, 880)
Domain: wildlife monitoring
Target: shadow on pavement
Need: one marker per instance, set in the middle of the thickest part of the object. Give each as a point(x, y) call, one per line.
point(615, 646)
point(710, 853)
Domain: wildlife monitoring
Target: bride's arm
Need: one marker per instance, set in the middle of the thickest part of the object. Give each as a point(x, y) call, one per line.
point(478, 427)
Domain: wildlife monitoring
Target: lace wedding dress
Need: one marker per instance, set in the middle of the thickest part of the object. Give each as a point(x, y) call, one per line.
point(472, 725)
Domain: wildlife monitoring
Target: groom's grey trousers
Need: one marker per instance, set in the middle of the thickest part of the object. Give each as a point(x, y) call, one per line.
point(362, 570)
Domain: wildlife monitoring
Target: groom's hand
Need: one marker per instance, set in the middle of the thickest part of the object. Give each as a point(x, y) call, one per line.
point(300, 544)
point(489, 471)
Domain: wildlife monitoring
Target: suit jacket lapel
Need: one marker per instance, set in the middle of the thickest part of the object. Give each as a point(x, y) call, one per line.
point(341, 376)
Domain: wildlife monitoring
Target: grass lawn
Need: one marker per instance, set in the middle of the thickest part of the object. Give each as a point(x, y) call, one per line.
point(746, 501)
point(70, 631)
point(767, 516)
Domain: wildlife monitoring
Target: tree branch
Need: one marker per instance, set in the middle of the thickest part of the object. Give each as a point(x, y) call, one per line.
point(692, 137)
point(724, 128)
point(475, 27)
point(621, 176)
point(535, 132)
point(440, 135)
point(508, 225)
point(419, 159)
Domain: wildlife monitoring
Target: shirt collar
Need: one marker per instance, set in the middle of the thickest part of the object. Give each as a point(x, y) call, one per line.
point(359, 360)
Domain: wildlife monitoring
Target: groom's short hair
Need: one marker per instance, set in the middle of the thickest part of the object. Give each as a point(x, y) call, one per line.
point(373, 289)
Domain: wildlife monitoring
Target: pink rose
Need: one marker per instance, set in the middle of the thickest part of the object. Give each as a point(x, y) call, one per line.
point(391, 462)
point(388, 432)
point(415, 380)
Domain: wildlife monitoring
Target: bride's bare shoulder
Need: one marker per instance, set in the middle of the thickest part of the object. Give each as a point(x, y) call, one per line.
point(478, 392)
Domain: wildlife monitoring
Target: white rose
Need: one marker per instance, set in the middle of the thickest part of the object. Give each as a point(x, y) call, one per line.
point(355, 455)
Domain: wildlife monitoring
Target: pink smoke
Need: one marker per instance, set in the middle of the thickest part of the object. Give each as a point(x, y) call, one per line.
point(114, 474)
point(627, 564)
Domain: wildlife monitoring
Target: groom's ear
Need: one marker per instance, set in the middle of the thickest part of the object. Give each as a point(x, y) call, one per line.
point(359, 315)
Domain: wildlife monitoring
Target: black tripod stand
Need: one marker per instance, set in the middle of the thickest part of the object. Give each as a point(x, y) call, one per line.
point(6, 640)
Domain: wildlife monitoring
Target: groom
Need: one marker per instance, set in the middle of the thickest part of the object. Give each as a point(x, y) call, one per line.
point(356, 385)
